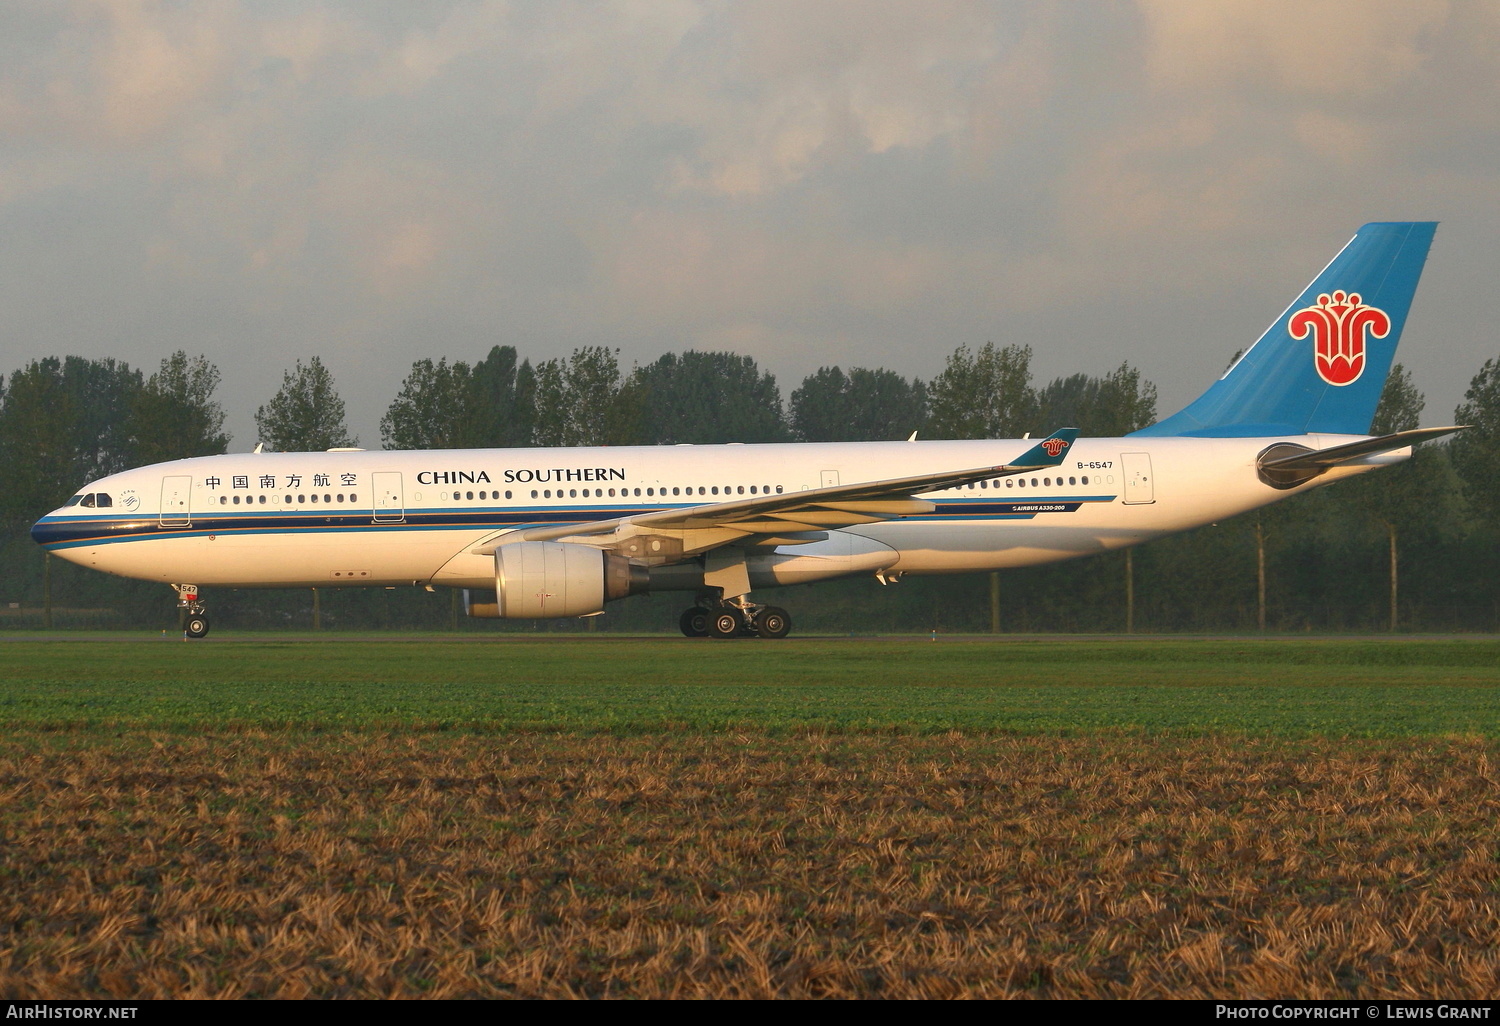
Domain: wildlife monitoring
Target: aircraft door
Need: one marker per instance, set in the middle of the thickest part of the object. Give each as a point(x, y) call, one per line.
point(390, 502)
point(176, 492)
point(1136, 467)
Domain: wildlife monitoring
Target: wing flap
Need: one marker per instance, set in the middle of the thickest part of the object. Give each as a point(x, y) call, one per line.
point(882, 507)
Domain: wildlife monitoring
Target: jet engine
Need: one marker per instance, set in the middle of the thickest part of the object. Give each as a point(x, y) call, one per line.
point(536, 580)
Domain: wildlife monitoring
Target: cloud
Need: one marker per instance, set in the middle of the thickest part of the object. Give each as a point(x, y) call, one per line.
point(1298, 47)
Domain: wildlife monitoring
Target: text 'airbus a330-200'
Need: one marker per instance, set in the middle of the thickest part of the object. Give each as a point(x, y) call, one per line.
point(534, 533)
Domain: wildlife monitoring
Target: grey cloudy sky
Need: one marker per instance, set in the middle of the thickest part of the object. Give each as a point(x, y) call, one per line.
point(867, 184)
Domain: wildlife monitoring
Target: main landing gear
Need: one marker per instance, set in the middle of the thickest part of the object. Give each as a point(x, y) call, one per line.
point(735, 619)
point(190, 612)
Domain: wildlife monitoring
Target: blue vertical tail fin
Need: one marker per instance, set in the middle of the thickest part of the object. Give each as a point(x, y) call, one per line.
point(1322, 365)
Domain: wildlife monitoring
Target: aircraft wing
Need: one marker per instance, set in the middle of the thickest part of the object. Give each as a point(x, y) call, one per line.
point(789, 518)
point(1318, 460)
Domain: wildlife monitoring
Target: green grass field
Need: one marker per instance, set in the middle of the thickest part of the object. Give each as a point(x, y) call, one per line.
point(1287, 687)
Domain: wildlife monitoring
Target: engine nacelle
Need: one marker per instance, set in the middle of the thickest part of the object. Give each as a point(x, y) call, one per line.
point(537, 580)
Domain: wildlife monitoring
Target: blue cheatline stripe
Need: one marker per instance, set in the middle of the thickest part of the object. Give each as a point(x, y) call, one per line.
point(75, 532)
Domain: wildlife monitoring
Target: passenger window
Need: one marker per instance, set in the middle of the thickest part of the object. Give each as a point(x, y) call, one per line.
point(263, 500)
point(341, 496)
point(468, 495)
point(573, 493)
point(236, 500)
point(315, 497)
point(1072, 480)
point(1009, 483)
point(674, 491)
point(740, 490)
point(716, 489)
point(533, 493)
point(353, 497)
point(223, 500)
point(547, 493)
point(778, 489)
point(752, 489)
point(1084, 479)
point(1033, 482)
point(507, 493)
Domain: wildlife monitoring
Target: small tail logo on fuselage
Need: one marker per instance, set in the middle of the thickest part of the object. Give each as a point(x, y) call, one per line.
point(1338, 325)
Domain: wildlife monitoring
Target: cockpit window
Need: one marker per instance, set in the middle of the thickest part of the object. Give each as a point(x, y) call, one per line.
point(88, 500)
point(75, 500)
point(103, 500)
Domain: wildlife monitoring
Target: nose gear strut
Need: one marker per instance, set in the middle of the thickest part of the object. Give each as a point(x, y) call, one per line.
point(192, 617)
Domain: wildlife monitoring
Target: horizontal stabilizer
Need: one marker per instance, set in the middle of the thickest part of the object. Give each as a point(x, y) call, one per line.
point(1322, 459)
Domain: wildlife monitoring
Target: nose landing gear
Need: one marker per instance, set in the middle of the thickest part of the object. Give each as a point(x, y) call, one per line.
point(190, 612)
point(735, 619)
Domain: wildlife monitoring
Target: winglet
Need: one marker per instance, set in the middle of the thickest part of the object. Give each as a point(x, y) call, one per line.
point(1049, 452)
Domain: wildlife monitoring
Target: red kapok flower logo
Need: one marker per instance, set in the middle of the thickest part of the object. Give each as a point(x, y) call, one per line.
point(1054, 446)
point(1338, 325)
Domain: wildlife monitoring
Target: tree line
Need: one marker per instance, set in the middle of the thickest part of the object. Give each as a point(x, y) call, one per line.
point(1409, 546)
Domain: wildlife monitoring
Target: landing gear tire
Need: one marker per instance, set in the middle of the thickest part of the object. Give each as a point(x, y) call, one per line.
point(196, 625)
point(773, 622)
point(694, 622)
point(724, 623)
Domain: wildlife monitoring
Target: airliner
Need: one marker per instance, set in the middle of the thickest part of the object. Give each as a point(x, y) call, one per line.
point(543, 533)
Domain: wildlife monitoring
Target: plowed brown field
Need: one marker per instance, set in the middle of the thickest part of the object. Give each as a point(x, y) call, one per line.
point(286, 864)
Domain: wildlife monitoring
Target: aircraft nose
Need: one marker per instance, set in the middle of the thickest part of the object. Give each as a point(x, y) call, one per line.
point(45, 531)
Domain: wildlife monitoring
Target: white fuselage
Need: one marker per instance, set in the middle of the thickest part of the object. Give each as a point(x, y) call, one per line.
point(351, 518)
